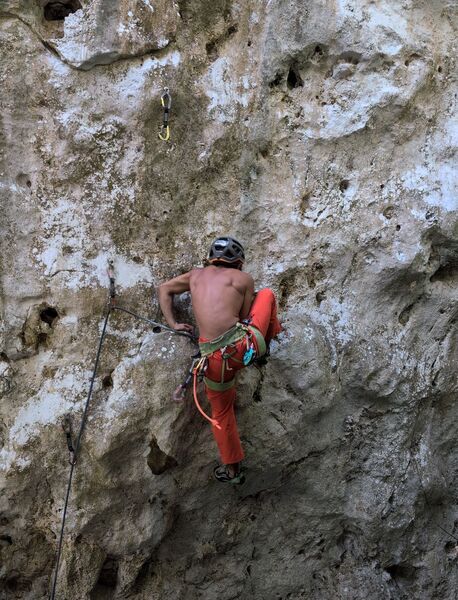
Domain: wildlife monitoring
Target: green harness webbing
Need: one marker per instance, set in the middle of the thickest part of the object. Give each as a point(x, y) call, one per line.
point(229, 338)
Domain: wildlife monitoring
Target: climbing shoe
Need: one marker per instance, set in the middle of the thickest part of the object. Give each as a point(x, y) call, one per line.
point(221, 474)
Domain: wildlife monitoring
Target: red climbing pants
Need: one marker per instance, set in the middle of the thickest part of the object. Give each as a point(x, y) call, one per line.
point(263, 316)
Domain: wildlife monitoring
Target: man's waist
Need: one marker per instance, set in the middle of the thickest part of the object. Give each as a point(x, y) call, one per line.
point(231, 336)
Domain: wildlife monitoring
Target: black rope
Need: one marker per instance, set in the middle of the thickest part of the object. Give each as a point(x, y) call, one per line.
point(157, 327)
point(75, 454)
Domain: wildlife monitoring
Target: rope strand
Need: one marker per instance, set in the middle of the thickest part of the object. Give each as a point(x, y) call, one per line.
point(75, 454)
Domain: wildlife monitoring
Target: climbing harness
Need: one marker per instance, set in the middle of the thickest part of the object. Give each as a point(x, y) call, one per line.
point(223, 344)
point(166, 102)
point(255, 346)
point(66, 422)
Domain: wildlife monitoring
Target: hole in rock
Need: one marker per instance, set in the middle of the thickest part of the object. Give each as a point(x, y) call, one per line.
point(388, 212)
point(401, 571)
point(344, 185)
point(107, 581)
point(17, 585)
point(447, 270)
point(320, 296)
point(42, 338)
point(318, 51)
point(158, 461)
point(249, 43)
point(276, 81)
point(382, 185)
point(107, 381)
point(411, 58)
point(294, 79)
point(211, 50)
point(439, 69)
point(7, 539)
point(305, 203)
point(398, 227)
point(451, 548)
point(351, 57)
point(314, 273)
point(287, 285)
point(212, 46)
point(257, 392)
point(49, 315)
point(142, 576)
point(404, 315)
point(58, 10)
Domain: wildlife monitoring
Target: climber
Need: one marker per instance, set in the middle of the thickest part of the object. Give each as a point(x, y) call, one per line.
point(236, 326)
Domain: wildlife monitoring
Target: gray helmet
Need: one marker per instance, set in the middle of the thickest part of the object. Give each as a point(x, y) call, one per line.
point(226, 250)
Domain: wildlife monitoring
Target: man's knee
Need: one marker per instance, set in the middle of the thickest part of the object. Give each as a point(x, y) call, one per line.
point(266, 294)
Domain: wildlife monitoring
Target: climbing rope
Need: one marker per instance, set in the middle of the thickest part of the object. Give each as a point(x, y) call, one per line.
point(157, 327)
point(76, 449)
point(166, 102)
point(196, 372)
point(66, 423)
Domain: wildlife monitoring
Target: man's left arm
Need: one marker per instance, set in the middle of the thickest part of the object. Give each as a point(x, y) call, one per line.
point(167, 290)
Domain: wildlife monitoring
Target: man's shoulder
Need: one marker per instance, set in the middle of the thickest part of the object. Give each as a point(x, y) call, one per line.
point(195, 272)
point(241, 278)
point(246, 276)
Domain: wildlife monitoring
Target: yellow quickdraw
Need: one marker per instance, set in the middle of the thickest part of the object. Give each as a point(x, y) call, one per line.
point(166, 102)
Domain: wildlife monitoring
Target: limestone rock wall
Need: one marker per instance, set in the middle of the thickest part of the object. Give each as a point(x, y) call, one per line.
point(323, 136)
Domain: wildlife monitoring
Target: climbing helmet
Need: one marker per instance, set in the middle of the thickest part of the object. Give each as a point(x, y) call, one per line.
point(226, 250)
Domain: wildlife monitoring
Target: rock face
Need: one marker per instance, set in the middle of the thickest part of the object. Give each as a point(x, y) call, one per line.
point(320, 134)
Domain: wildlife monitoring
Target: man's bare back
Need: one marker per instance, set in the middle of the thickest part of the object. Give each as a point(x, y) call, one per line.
point(221, 296)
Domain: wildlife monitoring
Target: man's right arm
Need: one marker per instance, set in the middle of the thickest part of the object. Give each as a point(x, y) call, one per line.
point(167, 290)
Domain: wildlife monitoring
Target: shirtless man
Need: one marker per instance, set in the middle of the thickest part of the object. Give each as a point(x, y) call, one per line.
point(235, 328)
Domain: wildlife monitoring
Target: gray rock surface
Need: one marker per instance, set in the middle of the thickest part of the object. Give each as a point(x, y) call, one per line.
point(323, 136)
